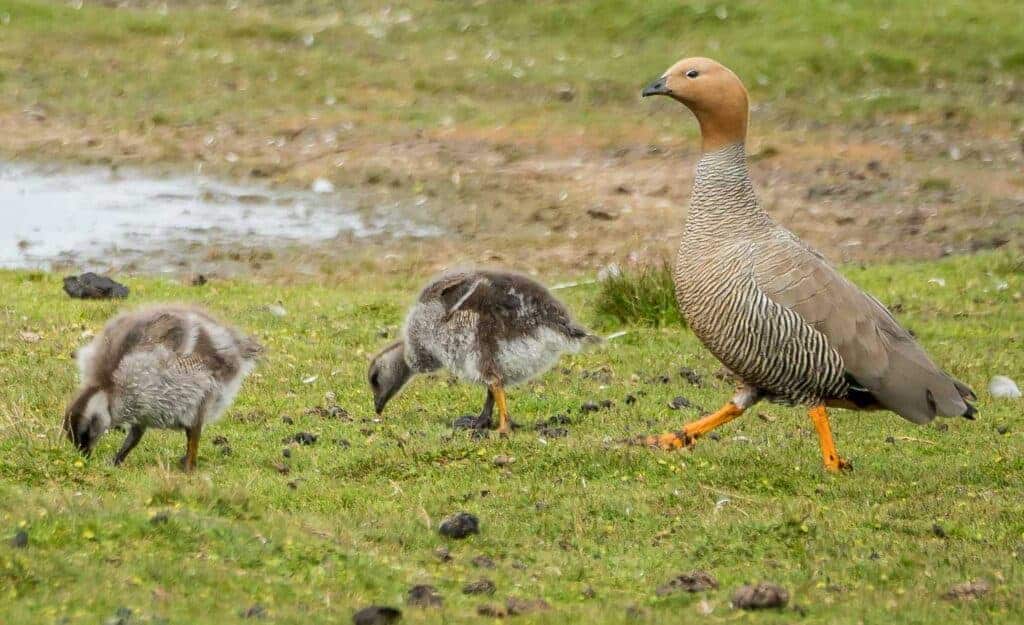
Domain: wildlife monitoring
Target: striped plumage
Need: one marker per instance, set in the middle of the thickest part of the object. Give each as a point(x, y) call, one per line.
point(767, 345)
point(773, 310)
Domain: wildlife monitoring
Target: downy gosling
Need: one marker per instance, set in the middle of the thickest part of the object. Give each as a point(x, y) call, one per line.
point(487, 327)
point(167, 367)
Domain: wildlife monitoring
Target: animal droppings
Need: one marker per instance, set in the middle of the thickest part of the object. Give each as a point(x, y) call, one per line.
point(376, 615)
point(424, 596)
point(460, 525)
point(92, 286)
point(760, 597)
point(482, 586)
point(695, 581)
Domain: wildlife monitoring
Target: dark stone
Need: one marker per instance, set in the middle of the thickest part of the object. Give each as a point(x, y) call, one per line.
point(890, 440)
point(199, 280)
point(715, 436)
point(92, 286)
point(20, 540)
point(630, 399)
point(482, 586)
point(460, 525)
point(589, 406)
point(220, 440)
point(376, 615)
point(607, 403)
point(760, 597)
point(1002, 429)
point(160, 518)
point(589, 592)
point(424, 596)
point(287, 453)
point(443, 554)
point(938, 530)
point(286, 419)
point(695, 581)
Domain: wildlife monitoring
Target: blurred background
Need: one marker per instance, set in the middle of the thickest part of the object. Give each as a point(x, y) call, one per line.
point(307, 137)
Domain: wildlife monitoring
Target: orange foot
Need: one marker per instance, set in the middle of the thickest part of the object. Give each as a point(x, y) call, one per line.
point(835, 464)
point(670, 441)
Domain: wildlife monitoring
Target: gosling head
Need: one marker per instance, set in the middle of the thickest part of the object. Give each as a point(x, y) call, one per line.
point(714, 94)
point(87, 418)
point(388, 374)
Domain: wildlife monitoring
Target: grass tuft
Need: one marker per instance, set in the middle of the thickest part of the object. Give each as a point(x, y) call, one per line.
point(642, 296)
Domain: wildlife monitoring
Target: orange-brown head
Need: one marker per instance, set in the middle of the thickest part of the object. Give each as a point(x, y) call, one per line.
point(716, 96)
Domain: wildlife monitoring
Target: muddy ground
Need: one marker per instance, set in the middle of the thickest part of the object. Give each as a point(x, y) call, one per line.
point(571, 204)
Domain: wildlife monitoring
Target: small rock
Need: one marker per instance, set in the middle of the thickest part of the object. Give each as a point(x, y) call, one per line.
point(160, 518)
point(589, 592)
point(198, 280)
point(460, 525)
point(938, 530)
point(424, 596)
point(286, 419)
point(602, 214)
point(1003, 387)
point(491, 611)
point(566, 93)
point(519, 565)
point(606, 404)
point(92, 286)
point(294, 485)
point(589, 406)
point(254, 611)
point(967, 591)
point(516, 606)
point(305, 438)
point(20, 540)
point(679, 402)
point(482, 586)
point(323, 185)
point(376, 615)
point(220, 440)
point(281, 468)
point(225, 450)
point(695, 581)
point(30, 337)
point(483, 562)
point(715, 436)
point(1002, 429)
point(287, 453)
point(760, 596)
point(890, 440)
point(277, 310)
point(630, 399)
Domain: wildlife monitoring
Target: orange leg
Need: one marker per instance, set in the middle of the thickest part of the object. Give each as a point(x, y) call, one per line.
point(502, 403)
point(188, 463)
point(819, 415)
point(688, 435)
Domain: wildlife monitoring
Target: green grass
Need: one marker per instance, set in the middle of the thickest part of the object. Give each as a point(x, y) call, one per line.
point(355, 524)
point(479, 64)
point(643, 295)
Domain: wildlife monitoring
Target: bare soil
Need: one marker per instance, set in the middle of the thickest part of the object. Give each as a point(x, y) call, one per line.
point(573, 203)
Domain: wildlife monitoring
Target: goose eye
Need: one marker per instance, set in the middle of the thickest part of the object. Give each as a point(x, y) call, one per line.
point(692, 73)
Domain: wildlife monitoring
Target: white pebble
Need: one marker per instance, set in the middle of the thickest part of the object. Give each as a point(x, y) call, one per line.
point(322, 185)
point(1003, 387)
point(937, 281)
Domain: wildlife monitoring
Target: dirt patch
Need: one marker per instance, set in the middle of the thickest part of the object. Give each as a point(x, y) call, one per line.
point(695, 581)
point(967, 591)
point(855, 194)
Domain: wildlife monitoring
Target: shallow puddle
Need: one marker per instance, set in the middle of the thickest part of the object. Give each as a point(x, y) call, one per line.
point(91, 217)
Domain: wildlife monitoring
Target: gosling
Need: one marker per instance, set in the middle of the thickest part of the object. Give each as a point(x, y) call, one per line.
point(486, 327)
point(167, 367)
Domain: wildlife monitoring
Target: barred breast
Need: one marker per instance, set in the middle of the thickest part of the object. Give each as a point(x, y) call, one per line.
point(765, 344)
